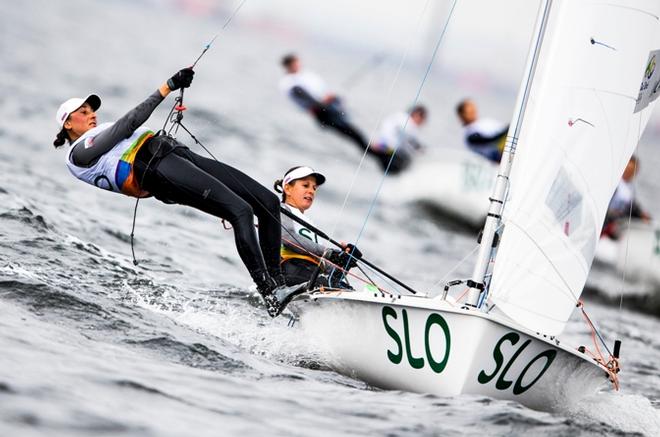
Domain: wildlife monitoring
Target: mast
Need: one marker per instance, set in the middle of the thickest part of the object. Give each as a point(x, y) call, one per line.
point(494, 217)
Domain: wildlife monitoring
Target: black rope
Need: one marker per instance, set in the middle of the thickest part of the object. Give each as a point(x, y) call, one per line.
point(135, 261)
point(171, 118)
point(179, 116)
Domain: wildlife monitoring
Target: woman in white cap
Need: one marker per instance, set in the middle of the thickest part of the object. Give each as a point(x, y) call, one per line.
point(302, 249)
point(128, 158)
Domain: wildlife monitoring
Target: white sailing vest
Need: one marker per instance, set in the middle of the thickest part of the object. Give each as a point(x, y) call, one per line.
point(300, 232)
point(114, 169)
point(310, 82)
point(486, 127)
point(392, 134)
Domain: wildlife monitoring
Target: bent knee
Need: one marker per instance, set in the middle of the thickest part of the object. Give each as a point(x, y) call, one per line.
point(271, 203)
point(240, 213)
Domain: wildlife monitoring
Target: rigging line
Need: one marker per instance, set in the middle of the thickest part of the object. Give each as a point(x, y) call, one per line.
point(457, 265)
point(630, 209)
point(419, 91)
point(367, 276)
point(625, 258)
point(600, 337)
point(238, 181)
point(394, 286)
point(224, 26)
point(367, 281)
point(360, 72)
point(380, 119)
point(278, 219)
point(178, 101)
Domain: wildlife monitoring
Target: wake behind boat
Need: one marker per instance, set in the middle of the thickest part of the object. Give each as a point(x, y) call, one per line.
point(590, 81)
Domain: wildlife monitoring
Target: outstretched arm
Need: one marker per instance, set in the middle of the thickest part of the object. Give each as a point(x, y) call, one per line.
point(85, 155)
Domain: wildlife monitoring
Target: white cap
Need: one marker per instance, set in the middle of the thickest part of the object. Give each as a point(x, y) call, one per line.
point(71, 105)
point(302, 172)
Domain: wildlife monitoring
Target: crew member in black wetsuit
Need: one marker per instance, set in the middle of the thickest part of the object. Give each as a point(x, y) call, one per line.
point(128, 158)
point(309, 92)
point(303, 251)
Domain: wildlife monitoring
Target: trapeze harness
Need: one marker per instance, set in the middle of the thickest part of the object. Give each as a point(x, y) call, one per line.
point(113, 171)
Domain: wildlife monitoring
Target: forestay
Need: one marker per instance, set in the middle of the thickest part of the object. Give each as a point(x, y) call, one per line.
point(581, 124)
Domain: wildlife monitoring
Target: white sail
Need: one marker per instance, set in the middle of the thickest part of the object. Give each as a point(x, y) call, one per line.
point(582, 122)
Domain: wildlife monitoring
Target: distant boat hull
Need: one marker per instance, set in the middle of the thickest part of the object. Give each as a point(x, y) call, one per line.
point(636, 252)
point(454, 186)
point(431, 346)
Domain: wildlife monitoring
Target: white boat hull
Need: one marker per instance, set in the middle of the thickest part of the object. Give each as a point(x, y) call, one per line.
point(429, 346)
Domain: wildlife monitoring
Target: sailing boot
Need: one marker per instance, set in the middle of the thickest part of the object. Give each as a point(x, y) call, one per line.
point(284, 293)
point(265, 287)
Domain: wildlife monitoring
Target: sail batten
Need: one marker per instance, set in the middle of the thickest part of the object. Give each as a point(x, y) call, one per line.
point(594, 87)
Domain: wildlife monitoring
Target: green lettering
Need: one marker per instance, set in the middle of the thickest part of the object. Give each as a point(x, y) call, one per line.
point(394, 358)
point(501, 383)
point(415, 363)
point(437, 319)
point(308, 234)
point(550, 355)
point(483, 377)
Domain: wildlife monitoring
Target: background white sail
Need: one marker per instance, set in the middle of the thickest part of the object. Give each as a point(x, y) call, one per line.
point(581, 125)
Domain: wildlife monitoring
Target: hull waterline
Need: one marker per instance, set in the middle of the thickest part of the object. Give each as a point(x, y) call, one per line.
point(430, 346)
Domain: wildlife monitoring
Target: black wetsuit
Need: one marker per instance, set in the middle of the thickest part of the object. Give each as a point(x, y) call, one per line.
point(174, 174)
point(331, 115)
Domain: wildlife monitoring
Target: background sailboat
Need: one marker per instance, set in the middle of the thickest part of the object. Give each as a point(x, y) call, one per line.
point(580, 113)
point(452, 187)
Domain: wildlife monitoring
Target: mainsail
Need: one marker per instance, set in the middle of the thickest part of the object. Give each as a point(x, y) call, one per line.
point(592, 93)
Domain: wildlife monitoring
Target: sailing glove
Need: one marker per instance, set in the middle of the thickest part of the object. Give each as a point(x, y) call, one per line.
point(182, 79)
point(342, 259)
point(354, 251)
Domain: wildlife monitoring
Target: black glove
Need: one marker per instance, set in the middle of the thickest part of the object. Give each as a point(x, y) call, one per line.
point(354, 251)
point(182, 79)
point(342, 259)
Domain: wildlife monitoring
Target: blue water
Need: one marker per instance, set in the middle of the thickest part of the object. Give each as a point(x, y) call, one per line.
point(93, 345)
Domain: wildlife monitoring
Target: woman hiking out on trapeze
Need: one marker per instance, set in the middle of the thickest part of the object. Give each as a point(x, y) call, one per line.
point(128, 158)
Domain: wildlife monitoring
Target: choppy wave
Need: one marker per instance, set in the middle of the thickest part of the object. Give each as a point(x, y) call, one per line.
point(179, 344)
